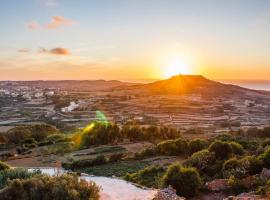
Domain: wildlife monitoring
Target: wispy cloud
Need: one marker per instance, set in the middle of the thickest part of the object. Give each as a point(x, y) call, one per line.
point(23, 50)
point(56, 51)
point(49, 3)
point(33, 25)
point(57, 22)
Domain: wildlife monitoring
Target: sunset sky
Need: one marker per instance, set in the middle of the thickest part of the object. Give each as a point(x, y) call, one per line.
point(134, 39)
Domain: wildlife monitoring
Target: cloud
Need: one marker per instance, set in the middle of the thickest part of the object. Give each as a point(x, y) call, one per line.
point(56, 51)
point(33, 25)
point(23, 50)
point(57, 22)
point(49, 3)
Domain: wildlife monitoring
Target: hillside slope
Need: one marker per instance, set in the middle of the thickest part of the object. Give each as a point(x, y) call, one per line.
point(190, 84)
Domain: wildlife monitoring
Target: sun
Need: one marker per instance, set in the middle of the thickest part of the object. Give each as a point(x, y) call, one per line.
point(176, 67)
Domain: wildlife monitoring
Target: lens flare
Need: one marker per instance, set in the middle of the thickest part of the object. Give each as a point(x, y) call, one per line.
point(79, 137)
point(100, 117)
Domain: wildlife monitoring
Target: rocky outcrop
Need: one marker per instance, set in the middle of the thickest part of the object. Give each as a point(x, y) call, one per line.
point(167, 194)
point(218, 185)
point(246, 196)
point(265, 174)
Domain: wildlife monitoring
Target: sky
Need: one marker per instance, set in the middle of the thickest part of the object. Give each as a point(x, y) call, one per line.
point(134, 39)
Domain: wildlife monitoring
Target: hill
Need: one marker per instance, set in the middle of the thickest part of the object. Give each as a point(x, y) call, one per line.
point(77, 85)
point(190, 84)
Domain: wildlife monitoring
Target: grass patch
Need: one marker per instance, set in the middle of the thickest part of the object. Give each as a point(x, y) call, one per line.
point(118, 169)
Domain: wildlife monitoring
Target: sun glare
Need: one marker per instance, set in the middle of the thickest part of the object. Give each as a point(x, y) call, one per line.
point(176, 67)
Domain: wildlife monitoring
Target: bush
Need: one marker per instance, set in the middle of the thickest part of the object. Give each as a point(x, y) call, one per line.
point(233, 167)
point(103, 133)
point(222, 150)
point(252, 164)
point(44, 143)
point(237, 148)
point(10, 174)
point(225, 137)
point(29, 141)
point(99, 160)
point(185, 181)
point(266, 143)
point(4, 166)
point(149, 177)
point(181, 145)
point(151, 151)
point(167, 148)
point(173, 147)
point(205, 162)
point(116, 157)
point(54, 188)
point(55, 137)
point(265, 157)
point(38, 131)
point(196, 145)
point(236, 186)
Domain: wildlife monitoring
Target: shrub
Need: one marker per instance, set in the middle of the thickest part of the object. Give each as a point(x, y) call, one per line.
point(237, 148)
point(185, 181)
point(173, 147)
point(205, 162)
point(54, 188)
point(103, 133)
point(29, 141)
point(10, 174)
point(3, 166)
point(55, 137)
point(181, 145)
point(266, 142)
point(99, 160)
point(167, 148)
point(44, 143)
point(38, 131)
point(116, 157)
point(196, 145)
point(252, 164)
point(222, 150)
point(149, 177)
point(233, 167)
point(265, 157)
point(151, 151)
point(236, 186)
point(225, 137)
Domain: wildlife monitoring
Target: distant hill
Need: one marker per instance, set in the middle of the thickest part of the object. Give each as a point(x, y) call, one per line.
point(77, 85)
point(187, 84)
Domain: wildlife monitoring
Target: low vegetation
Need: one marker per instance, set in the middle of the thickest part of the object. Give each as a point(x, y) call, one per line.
point(166, 158)
point(55, 188)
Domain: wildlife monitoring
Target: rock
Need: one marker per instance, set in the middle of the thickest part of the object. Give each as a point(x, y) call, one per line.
point(218, 185)
point(167, 194)
point(249, 181)
point(246, 196)
point(265, 174)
